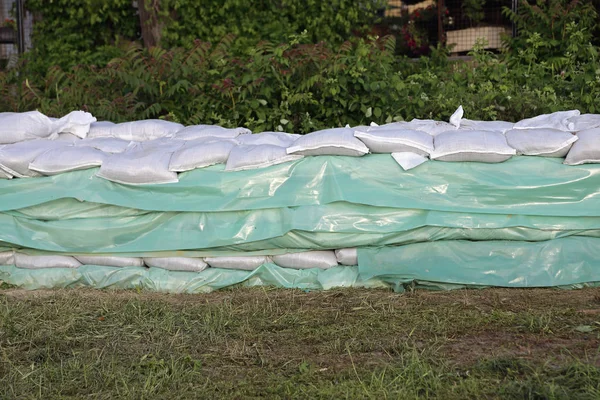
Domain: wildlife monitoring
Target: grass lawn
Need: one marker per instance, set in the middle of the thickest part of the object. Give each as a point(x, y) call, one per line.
point(268, 343)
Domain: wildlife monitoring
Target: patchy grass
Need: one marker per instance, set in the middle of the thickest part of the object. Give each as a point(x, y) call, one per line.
point(251, 343)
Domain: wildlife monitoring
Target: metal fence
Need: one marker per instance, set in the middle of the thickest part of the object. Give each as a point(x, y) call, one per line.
point(454, 23)
point(15, 28)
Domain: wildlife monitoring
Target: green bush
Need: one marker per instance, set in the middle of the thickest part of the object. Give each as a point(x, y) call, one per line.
point(72, 32)
point(332, 21)
point(299, 87)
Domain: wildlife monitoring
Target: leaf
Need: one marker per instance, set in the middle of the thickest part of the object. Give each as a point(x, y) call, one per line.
point(369, 112)
point(584, 328)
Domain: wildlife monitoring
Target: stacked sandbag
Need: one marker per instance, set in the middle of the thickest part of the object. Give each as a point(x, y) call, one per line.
point(161, 205)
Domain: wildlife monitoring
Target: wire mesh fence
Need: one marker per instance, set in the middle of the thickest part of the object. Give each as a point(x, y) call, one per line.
point(16, 25)
point(458, 24)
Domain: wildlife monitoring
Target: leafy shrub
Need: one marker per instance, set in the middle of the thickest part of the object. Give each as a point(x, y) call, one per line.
point(71, 32)
point(299, 87)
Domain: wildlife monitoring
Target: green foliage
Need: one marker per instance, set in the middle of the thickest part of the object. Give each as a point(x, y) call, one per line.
point(331, 21)
point(546, 23)
point(71, 32)
point(473, 10)
point(300, 87)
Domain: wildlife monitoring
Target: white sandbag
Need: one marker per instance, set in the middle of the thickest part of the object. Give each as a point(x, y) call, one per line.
point(18, 127)
point(408, 160)
point(457, 116)
point(244, 157)
point(557, 120)
point(397, 140)
point(347, 256)
point(195, 132)
point(308, 259)
point(111, 261)
point(273, 138)
point(586, 149)
point(334, 142)
point(143, 164)
point(246, 263)
point(7, 258)
point(65, 159)
point(100, 129)
point(584, 122)
point(76, 122)
point(15, 158)
point(38, 262)
point(540, 142)
point(493, 126)
point(477, 146)
point(177, 263)
point(138, 131)
point(430, 126)
point(199, 155)
point(68, 137)
point(4, 174)
point(106, 144)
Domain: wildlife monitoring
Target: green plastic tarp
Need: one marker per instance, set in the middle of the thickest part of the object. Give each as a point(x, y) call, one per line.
point(521, 185)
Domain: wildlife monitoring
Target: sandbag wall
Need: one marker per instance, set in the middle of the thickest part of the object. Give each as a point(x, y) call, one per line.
point(157, 205)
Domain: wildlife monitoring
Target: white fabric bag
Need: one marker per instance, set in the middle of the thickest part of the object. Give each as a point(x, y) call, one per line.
point(245, 157)
point(106, 144)
point(430, 126)
point(395, 141)
point(246, 263)
point(195, 132)
point(38, 262)
point(111, 261)
point(586, 149)
point(15, 158)
point(19, 127)
point(335, 142)
point(145, 163)
point(476, 146)
point(100, 129)
point(540, 142)
point(308, 259)
point(584, 122)
point(408, 160)
point(347, 256)
point(76, 123)
point(4, 174)
point(138, 131)
point(191, 264)
point(493, 126)
point(273, 138)
point(7, 258)
point(557, 120)
point(199, 155)
point(65, 159)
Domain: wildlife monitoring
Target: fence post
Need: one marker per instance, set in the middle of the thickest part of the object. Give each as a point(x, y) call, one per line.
point(20, 27)
point(515, 8)
point(440, 5)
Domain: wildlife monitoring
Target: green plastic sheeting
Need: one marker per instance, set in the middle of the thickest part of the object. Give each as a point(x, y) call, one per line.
point(566, 263)
point(330, 226)
point(521, 185)
point(560, 262)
